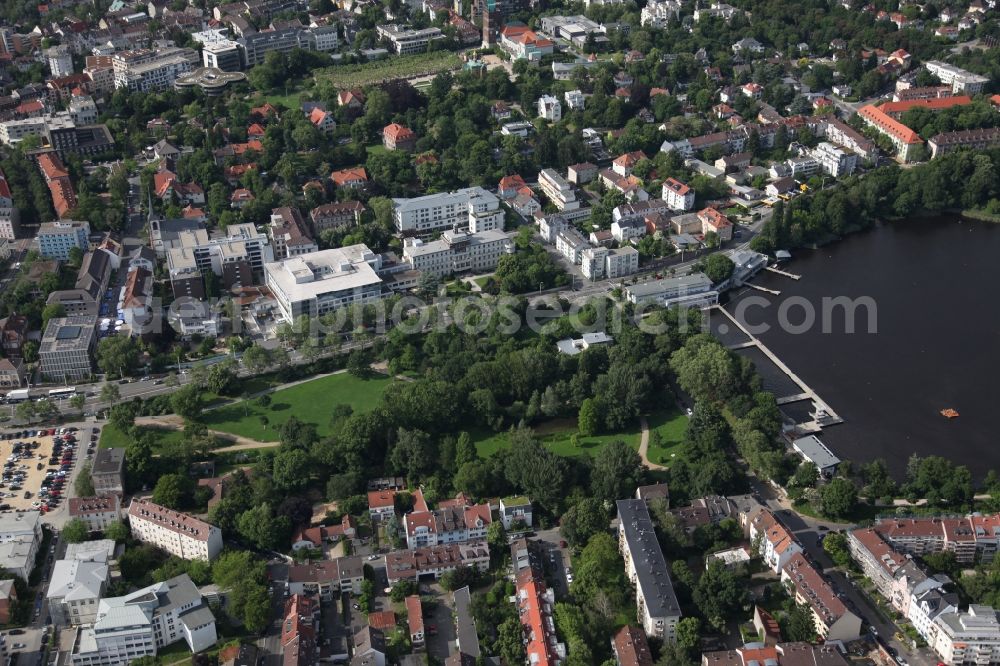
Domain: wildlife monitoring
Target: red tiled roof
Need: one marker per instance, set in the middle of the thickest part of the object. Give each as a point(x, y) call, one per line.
point(676, 186)
point(714, 218)
point(630, 159)
point(381, 499)
point(631, 647)
point(86, 506)
point(414, 614)
point(52, 167)
point(397, 132)
point(175, 521)
point(889, 124)
point(345, 176)
point(382, 620)
point(63, 196)
point(936, 104)
point(255, 130)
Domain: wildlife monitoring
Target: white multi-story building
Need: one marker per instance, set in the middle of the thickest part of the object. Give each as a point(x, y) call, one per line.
point(514, 509)
point(693, 290)
point(409, 40)
point(60, 61)
point(646, 568)
point(451, 524)
point(222, 54)
point(592, 261)
point(96, 512)
point(970, 637)
point(601, 262)
point(549, 108)
point(471, 208)
point(318, 283)
point(961, 81)
point(575, 101)
point(558, 191)
point(143, 622)
point(148, 70)
point(660, 13)
point(570, 243)
point(803, 167)
point(56, 239)
point(834, 161)
point(777, 543)
point(83, 109)
point(458, 251)
point(74, 591)
point(20, 536)
point(679, 197)
point(177, 533)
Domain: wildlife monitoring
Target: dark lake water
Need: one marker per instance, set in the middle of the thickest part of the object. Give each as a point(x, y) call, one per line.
point(937, 343)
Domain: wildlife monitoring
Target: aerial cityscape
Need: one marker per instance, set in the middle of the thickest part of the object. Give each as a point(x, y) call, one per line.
point(499, 332)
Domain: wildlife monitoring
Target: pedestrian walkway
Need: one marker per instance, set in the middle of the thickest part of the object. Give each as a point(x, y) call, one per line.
point(644, 446)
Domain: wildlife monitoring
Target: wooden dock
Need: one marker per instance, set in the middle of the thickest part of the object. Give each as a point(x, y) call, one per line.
point(759, 288)
point(775, 269)
point(805, 392)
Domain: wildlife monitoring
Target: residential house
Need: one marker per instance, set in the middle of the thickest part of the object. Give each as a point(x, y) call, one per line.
point(549, 108)
point(415, 621)
point(95, 512)
point(435, 560)
point(777, 543)
point(831, 617)
point(355, 178)
point(515, 510)
point(630, 647)
point(327, 578)
point(397, 137)
point(448, 525)
point(336, 215)
point(679, 197)
point(382, 504)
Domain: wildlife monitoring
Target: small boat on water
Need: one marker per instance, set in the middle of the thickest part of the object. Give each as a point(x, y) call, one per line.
point(949, 413)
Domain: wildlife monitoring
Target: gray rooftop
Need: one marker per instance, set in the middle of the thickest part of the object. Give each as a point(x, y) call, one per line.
point(108, 461)
point(694, 283)
point(651, 568)
point(815, 451)
point(465, 623)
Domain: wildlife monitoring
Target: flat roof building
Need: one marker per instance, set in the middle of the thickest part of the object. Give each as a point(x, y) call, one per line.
point(317, 283)
point(814, 451)
point(67, 348)
point(107, 471)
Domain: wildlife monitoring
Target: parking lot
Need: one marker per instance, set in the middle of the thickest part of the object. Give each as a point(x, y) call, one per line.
point(38, 464)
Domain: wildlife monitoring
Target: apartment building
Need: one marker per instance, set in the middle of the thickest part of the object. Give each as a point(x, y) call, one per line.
point(834, 161)
point(407, 40)
point(147, 70)
point(299, 646)
point(435, 560)
point(177, 533)
point(222, 54)
point(832, 618)
point(92, 281)
point(679, 197)
point(56, 239)
point(969, 637)
point(67, 349)
point(457, 252)
point(660, 13)
point(60, 61)
point(256, 46)
point(143, 622)
point(75, 589)
point(940, 144)
point(321, 282)
point(107, 472)
point(557, 190)
point(961, 81)
point(896, 576)
point(327, 578)
point(535, 602)
point(777, 543)
point(451, 524)
point(10, 215)
point(904, 139)
point(397, 137)
point(571, 244)
point(336, 215)
point(289, 234)
point(382, 503)
point(471, 208)
point(96, 512)
point(970, 538)
point(575, 101)
point(20, 537)
point(778, 654)
point(657, 608)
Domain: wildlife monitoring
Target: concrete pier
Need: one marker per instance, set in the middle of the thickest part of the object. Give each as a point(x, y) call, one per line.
point(775, 292)
point(823, 414)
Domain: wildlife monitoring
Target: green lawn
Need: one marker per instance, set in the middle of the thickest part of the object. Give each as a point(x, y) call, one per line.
point(311, 402)
point(369, 73)
point(670, 424)
point(112, 437)
point(375, 149)
point(556, 435)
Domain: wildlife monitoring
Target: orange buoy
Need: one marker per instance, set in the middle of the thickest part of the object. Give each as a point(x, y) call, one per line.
point(949, 413)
